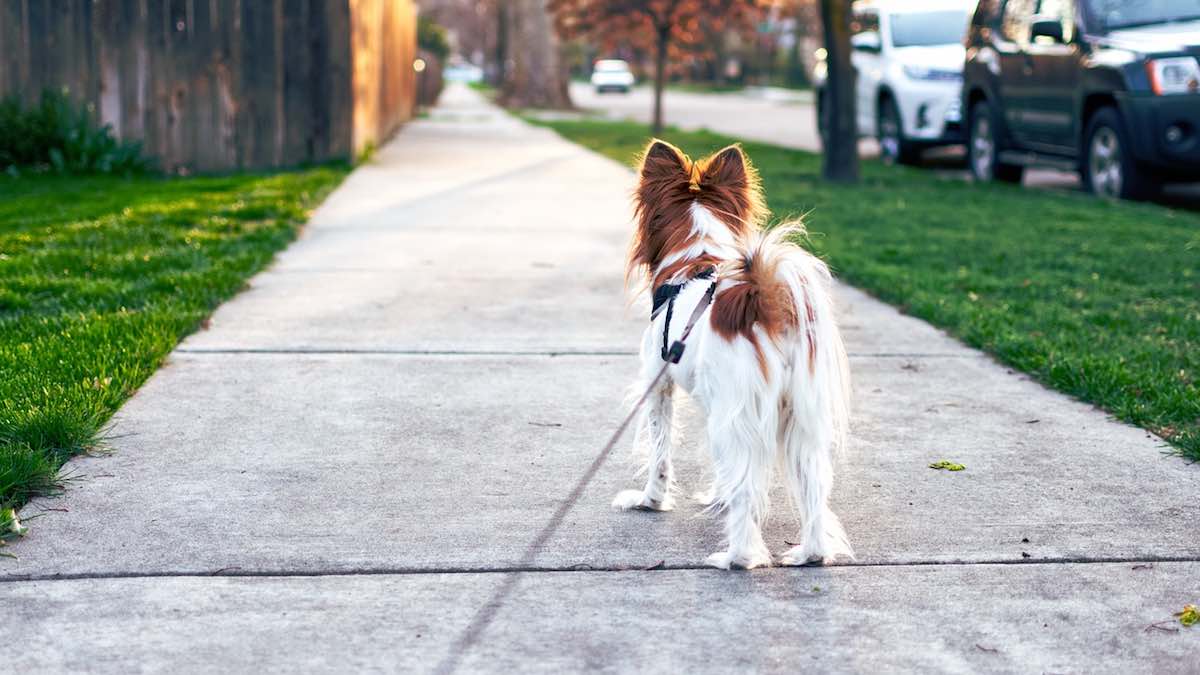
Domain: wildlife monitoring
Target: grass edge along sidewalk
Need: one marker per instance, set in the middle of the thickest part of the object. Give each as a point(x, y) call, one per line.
point(100, 277)
point(1097, 299)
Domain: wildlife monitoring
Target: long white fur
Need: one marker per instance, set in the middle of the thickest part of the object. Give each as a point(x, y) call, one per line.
point(789, 419)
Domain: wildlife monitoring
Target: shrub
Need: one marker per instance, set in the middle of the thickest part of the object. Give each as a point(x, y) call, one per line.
point(58, 135)
point(432, 38)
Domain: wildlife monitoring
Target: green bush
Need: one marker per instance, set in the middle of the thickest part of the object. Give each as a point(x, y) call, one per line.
point(432, 38)
point(59, 136)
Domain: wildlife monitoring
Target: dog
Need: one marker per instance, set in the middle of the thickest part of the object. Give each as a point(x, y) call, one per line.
point(764, 361)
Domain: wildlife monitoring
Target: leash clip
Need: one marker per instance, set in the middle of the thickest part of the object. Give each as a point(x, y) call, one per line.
point(675, 352)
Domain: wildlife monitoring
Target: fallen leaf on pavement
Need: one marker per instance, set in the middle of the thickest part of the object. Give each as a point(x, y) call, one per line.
point(948, 466)
point(1189, 616)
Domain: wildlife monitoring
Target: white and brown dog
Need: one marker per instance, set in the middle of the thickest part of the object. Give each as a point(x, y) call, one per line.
point(765, 362)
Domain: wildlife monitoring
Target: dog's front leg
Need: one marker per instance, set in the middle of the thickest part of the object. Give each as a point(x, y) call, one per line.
point(654, 429)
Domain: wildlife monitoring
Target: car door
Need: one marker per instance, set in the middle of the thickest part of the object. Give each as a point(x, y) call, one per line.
point(866, 56)
point(1015, 67)
point(1053, 55)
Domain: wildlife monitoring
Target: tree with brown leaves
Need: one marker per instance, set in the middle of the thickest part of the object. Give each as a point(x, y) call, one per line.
point(659, 24)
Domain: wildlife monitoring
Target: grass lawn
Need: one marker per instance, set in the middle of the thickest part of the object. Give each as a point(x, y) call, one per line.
point(1096, 299)
point(100, 277)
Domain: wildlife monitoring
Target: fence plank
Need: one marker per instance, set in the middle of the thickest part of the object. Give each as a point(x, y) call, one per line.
point(218, 85)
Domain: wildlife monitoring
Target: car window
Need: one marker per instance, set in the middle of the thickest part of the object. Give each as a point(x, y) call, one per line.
point(1114, 14)
point(926, 29)
point(1015, 24)
point(1063, 10)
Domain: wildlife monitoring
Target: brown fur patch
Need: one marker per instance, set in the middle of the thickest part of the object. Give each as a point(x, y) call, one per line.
point(760, 299)
point(728, 186)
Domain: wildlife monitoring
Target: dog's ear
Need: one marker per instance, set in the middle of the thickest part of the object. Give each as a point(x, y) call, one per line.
point(663, 160)
point(727, 167)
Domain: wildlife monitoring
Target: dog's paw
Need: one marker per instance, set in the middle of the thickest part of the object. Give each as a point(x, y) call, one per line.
point(729, 560)
point(637, 500)
point(798, 556)
point(704, 497)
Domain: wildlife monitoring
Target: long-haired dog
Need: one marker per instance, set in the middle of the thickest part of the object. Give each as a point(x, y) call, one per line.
point(765, 362)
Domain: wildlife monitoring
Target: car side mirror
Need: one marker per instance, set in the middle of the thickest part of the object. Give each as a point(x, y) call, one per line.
point(866, 42)
point(1050, 30)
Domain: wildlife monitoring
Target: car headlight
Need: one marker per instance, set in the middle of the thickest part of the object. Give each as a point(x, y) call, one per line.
point(923, 73)
point(1180, 75)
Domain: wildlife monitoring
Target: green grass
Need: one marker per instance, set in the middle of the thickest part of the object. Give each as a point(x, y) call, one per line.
point(706, 87)
point(100, 277)
point(1097, 299)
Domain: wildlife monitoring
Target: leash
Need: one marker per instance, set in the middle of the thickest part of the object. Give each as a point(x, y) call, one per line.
point(487, 613)
point(672, 355)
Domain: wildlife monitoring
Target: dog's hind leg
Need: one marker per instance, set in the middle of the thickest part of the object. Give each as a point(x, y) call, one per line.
point(808, 474)
point(742, 468)
point(654, 430)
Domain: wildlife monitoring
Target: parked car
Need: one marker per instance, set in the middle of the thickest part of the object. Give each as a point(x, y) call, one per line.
point(1110, 88)
point(908, 57)
point(612, 75)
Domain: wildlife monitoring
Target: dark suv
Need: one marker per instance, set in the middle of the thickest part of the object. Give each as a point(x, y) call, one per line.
point(1110, 88)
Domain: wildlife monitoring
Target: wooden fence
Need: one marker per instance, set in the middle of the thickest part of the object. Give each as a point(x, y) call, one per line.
point(216, 85)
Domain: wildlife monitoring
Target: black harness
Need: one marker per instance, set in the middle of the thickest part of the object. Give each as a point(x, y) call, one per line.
point(665, 295)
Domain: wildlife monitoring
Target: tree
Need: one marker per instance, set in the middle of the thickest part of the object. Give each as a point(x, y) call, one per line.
point(659, 24)
point(532, 72)
point(839, 159)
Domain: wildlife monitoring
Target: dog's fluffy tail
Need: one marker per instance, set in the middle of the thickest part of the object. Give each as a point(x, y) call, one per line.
point(794, 287)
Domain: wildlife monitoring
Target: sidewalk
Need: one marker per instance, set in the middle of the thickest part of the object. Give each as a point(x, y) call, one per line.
point(359, 464)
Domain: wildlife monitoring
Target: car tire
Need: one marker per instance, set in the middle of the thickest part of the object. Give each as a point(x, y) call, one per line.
point(983, 150)
point(893, 147)
point(1108, 168)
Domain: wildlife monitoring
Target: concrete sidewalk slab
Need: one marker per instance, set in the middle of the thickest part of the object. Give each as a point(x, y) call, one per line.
point(287, 463)
point(951, 619)
point(417, 386)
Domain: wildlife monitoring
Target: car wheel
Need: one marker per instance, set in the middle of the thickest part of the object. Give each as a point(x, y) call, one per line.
point(1109, 168)
point(893, 148)
point(983, 150)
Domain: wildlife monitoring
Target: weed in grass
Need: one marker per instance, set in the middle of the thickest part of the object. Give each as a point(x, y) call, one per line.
point(61, 136)
point(1099, 300)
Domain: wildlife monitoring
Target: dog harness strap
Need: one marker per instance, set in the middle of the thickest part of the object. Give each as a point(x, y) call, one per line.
point(674, 353)
point(666, 352)
point(665, 295)
point(667, 292)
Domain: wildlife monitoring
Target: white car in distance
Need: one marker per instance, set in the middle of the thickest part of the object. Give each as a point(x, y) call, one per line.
point(612, 75)
point(908, 58)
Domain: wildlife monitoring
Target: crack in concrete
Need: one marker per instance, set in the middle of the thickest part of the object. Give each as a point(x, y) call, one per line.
point(237, 572)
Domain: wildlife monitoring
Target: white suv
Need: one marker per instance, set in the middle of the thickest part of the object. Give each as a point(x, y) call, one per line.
point(908, 56)
point(612, 75)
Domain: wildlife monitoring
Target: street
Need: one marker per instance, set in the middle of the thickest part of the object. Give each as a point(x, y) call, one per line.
point(788, 118)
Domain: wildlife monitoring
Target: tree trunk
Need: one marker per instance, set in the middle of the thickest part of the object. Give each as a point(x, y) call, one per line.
point(533, 76)
point(660, 75)
point(501, 44)
point(839, 162)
